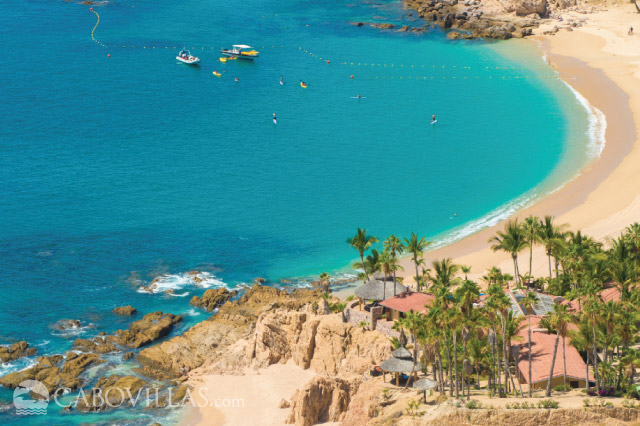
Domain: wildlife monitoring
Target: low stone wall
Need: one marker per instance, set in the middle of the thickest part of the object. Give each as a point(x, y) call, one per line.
point(386, 327)
point(354, 316)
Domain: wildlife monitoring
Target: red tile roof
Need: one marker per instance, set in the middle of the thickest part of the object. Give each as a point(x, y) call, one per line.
point(542, 353)
point(611, 293)
point(405, 302)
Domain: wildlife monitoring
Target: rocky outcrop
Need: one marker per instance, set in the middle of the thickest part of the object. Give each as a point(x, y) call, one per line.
point(125, 310)
point(323, 343)
point(98, 345)
point(212, 298)
point(16, 351)
point(222, 340)
point(51, 374)
point(323, 399)
point(150, 328)
point(502, 19)
point(115, 391)
point(66, 325)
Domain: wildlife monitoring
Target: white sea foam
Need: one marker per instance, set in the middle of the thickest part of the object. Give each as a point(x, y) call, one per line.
point(193, 313)
point(597, 124)
point(17, 365)
point(174, 282)
point(72, 331)
point(596, 136)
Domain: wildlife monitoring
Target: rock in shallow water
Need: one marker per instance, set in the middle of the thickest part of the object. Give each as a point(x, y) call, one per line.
point(125, 310)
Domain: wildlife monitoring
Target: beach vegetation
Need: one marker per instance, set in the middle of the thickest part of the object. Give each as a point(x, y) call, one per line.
point(468, 334)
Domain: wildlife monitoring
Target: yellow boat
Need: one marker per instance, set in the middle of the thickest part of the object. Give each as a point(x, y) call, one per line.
point(223, 60)
point(303, 84)
point(240, 51)
point(217, 74)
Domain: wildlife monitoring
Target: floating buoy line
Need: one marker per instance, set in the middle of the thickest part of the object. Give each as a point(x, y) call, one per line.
point(462, 71)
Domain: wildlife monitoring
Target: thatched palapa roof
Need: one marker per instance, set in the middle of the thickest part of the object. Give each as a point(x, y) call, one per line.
point(375, 290)
point(401, 362)
point(425, 384)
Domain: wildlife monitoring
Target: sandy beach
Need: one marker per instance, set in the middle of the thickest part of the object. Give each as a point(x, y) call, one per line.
point(602, 62)
point(250, 399)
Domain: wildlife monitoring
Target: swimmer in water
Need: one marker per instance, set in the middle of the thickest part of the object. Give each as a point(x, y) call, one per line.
point(275, 120)
point(236, 79)
point(281, 80)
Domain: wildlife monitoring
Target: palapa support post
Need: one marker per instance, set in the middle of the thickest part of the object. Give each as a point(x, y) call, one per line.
point(384, 377)
point(397, 379)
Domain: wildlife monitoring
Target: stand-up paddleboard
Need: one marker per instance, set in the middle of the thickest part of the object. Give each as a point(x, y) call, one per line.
point(434, 121)
point(355, 97)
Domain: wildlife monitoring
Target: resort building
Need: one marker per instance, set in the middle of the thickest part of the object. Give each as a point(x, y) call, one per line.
point(542, 344)
point(395, 307)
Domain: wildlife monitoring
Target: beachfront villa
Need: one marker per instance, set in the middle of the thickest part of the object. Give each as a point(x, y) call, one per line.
point(542, 343)
point(381, 313)
point(407, 301)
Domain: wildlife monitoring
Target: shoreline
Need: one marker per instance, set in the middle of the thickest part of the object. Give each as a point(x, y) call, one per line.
point(603, 198)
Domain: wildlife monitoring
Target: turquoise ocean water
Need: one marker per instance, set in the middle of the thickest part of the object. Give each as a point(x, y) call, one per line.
point(117, 170)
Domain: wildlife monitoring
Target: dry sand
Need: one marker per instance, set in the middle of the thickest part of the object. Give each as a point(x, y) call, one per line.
point(602, 62)
point(261, 392)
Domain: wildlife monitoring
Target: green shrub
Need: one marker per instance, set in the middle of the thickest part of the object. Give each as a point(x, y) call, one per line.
point(350, 298)
point(586, 402)
point(547, 403)
point(561, 388)
point(473, 404)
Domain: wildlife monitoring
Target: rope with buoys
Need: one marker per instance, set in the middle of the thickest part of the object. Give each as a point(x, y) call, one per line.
point(94, 29)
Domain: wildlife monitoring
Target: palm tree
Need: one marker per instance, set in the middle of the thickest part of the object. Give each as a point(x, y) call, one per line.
point(454, 321)
point(444, 273)
point(413, 321)
point(552, 237)
point(388, 264)
point(325, 282)
point(394, 245)
point(465, 270)
point(562, 320)
point(549, 323)
point(362, 242)
point(531, 228)
point(592, 309)
point(581, 340)
point(478, 354)
point(416, 246)
point(527, 303)
point(370, 266)
point(436, 321)
point(512, 240)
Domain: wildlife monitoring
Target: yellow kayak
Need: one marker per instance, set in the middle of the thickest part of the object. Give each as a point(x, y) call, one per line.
point(303, 85)
point(223, 60)
point(217, 74)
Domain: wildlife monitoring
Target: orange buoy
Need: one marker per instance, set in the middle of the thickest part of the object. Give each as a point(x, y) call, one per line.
point(328, 62)
point(108, 55)
point(351, 76)
point(91, 9)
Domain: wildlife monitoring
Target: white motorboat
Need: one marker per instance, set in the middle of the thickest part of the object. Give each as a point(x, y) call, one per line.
point(187, 58)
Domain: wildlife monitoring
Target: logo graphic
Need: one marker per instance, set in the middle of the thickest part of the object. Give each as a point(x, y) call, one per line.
point(31, 398)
